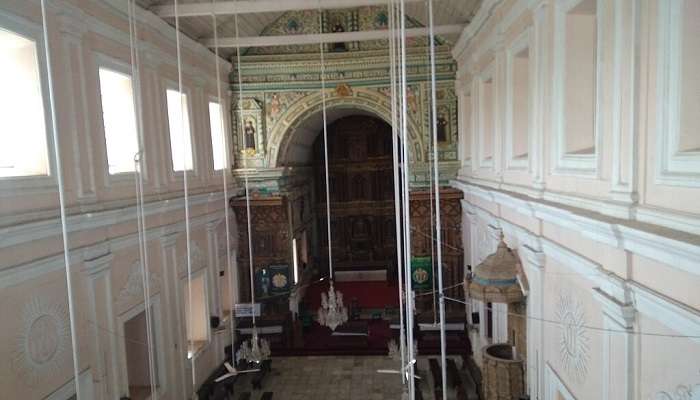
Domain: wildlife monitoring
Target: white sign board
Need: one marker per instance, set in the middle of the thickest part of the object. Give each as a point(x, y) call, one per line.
point(246, 310)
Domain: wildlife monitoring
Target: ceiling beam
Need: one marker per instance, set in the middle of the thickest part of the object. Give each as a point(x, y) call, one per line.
point(290, 40)
point(259, 6)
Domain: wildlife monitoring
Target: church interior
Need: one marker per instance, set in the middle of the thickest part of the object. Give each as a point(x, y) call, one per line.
point(350, 199)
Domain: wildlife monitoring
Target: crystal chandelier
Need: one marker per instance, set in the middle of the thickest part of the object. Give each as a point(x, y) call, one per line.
point(332, 312)
point(254, 350)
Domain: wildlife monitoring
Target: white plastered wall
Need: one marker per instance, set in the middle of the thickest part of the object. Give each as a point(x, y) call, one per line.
point(622, 242)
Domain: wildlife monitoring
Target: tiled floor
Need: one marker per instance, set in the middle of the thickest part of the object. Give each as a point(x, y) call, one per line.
point(335, 378)
point(331, 377)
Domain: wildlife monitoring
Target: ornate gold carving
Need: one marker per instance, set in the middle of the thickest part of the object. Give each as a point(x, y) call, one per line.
point(343, 90)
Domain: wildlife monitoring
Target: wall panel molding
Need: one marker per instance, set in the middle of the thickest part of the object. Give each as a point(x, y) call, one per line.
point(673, 167)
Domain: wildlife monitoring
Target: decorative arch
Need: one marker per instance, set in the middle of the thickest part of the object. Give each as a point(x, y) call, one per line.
point(365, 100)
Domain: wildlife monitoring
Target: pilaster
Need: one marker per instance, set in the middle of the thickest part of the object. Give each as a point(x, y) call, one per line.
point(618, 370)
point(499, 90)
point(474, 126)
point(625, 112)
point(174, 322)
point(533, 264)
point(72, 27)
point(105, 372)
point(542, 27)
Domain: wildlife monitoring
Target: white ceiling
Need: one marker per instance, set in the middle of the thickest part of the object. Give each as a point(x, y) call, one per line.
point(445, 12)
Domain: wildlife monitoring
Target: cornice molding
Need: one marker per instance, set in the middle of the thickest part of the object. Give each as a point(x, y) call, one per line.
point(159, 26)
point(485, 11)
point(674, 315)
point(24, 233)
point(677, 249)
point(621, 300)
point(97, 258)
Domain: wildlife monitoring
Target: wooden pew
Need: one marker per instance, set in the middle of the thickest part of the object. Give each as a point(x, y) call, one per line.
point(220, 393)
point(454, 379)
point(209, 387)
point(437, 377)
point(419, 393)
point(244, 396)
point(259, 376)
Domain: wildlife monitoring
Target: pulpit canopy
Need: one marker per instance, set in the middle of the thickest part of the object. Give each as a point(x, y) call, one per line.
point(498, 279)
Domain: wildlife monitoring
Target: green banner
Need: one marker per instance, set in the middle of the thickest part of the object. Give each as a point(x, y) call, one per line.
point(279, 278)
point(421, 273)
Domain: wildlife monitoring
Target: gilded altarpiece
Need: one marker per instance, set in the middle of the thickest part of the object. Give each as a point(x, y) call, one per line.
point(270, 244)
point(285, 83)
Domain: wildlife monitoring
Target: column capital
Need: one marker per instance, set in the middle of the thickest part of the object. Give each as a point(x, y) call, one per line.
point(72, 22)
point(98, 266)
point(538, 7)
point(535, 258)
point(150, 59)
point(212, 225)
point(623, 314)
point(168, 239)
point(494, 232)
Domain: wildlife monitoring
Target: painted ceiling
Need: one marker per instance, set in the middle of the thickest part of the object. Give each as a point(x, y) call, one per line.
point(446, 12)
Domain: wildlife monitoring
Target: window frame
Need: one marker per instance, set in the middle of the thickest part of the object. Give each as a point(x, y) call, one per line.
point(464, 121)
point(674, 167)
point(564, 163)
point(119, 66)
point(203, 274)
point(522, 42)
point(171, 85)
point(487, 73)
point(227, 148)
point(39, 184)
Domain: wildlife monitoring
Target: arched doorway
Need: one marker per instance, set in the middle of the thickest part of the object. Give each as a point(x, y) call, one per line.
point(290, 140)
point(363, 234)
point(361, 186)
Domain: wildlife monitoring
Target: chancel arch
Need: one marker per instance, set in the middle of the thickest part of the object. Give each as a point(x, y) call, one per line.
point(292, 137)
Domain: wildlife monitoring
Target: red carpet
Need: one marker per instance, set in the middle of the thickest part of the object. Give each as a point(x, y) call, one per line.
point(319, 341)
point(320, 338)
point(368, 294)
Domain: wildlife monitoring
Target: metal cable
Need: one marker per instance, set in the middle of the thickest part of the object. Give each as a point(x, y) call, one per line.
point(406, 205)
point(224, 173)
point(438, 229)
point(325, 143)
point(138, 166)
point(397, 193)
point(61, 201)
point(185, 184)
point(245, 174)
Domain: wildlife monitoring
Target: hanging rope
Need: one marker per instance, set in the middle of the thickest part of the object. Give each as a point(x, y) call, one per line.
point(397, 196)
point(406, 202)
point(224, 174)
point(431, 161)
point(245, 175)
point(325, 147)
point(185, 149)
point(61, 201)
point(140, 218)
point(438, 228)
